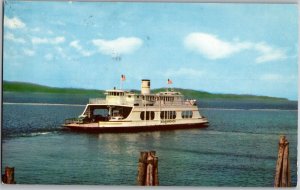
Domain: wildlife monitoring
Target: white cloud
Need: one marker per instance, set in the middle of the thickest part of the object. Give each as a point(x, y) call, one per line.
point(13, 23)
point(36, 40)
point(29, 52)
point(122, 45)
point(11, 37)
point(268, 53)
point(75, 44)
point(49, 57)
point(62, 53)
point(56, 40)
point(211, 47)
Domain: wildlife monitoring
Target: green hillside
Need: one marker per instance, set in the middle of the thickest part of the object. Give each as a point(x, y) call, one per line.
point(9, 86)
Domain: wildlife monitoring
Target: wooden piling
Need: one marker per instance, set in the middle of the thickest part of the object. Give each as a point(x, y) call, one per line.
point(282, 175)
point(149, 177)
point(147, 169)
point(155, 163)
point(9, 176)
point(142, 168)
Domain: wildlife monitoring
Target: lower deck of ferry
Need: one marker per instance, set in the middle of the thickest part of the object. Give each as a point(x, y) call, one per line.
point(93, 127)
point(116, 118)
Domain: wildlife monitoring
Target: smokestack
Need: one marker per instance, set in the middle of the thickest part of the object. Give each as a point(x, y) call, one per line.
point(145, 89)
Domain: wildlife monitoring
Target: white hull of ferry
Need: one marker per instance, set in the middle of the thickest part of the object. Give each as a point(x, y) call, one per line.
point(133, 123)
point(124, 111)
point(136, 127)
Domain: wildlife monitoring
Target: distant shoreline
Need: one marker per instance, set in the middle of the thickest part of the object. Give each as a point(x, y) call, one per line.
point(81, 105)
point(23, 87)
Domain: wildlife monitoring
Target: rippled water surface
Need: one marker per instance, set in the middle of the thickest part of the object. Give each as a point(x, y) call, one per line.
point(239, 148)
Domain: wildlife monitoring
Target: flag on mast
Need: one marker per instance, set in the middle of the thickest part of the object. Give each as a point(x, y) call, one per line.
point(123, 77)
point(170, 82)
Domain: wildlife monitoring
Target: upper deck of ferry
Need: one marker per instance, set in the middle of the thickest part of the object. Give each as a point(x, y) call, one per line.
point(119, 104)
point(145, 98)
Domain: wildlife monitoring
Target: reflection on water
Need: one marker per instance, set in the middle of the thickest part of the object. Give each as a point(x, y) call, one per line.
point(239, 148)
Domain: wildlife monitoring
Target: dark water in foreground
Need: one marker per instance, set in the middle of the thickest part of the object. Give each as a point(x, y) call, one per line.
point(239, 148)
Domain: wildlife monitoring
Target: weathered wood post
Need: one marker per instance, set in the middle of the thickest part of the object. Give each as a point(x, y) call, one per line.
point(142, 168)
point(282, 175)
point(9, 176)
point(148, 169)
point(156, 183)
point(149, 177)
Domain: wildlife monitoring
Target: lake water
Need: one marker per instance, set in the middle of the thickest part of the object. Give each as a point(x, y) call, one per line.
point(239, 148)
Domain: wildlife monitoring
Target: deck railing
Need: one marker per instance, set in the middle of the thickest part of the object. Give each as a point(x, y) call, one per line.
point(124, 102)
point(73, 121)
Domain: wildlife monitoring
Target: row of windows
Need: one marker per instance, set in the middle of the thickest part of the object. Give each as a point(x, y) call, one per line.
point(167, 115)
point(187, 114)
point(148, 98)
point(171, 99)
point(116, 93)
point(164, 98)
point(149, 115)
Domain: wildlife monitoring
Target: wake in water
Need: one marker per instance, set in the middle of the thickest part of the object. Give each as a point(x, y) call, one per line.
point(32, 132)
point(35, 134)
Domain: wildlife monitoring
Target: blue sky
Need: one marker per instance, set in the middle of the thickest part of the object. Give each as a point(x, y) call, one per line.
point(223, 48)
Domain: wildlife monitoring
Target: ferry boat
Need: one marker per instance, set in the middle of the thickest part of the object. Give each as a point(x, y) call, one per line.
point(127, 111)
